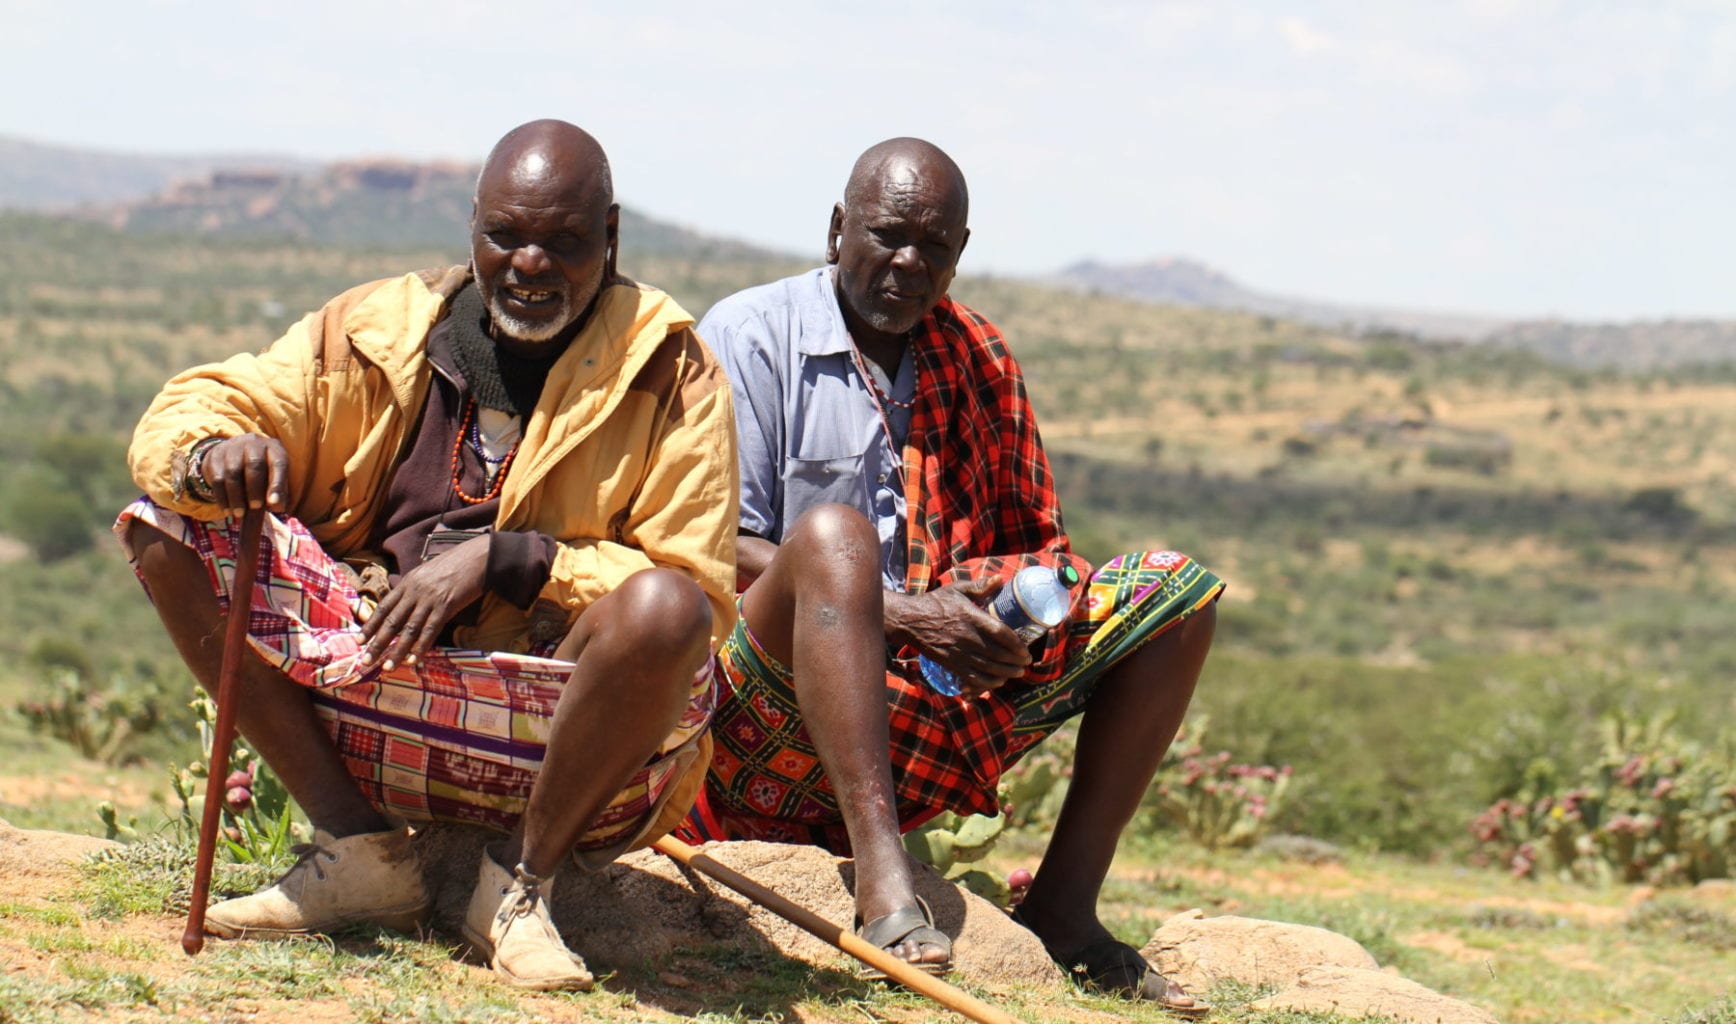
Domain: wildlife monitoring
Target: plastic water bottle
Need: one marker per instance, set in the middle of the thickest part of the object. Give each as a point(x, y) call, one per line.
point(1035, 602)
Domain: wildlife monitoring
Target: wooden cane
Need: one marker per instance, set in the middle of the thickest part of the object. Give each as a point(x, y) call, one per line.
point(223, 730)
point(895, 968)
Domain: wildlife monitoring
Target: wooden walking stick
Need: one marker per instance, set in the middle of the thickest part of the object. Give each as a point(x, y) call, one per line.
point(223, 730)
point(895, 968)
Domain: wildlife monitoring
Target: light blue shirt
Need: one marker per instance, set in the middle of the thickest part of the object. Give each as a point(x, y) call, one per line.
point(808, 427)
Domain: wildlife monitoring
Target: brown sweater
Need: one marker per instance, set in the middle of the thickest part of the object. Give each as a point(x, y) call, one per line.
point(424, 516)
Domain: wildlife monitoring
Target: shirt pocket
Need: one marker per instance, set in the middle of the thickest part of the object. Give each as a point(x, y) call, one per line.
point(811, 482)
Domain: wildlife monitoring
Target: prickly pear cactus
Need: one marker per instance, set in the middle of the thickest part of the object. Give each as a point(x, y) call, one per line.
point(950, 841)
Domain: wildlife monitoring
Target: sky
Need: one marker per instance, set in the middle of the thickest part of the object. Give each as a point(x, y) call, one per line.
point(1501, 157)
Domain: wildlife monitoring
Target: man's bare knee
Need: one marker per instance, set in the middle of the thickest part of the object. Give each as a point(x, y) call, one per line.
point(663, 610)
point(838, 534)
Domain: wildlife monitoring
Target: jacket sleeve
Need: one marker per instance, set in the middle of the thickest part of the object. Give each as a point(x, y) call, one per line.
point(684, 516)
point(270, 393)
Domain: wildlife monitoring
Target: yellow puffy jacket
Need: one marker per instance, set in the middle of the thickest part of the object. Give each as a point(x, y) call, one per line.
point(628, 460)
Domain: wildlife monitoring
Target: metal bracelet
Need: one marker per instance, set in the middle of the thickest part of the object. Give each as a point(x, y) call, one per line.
point(195, 481)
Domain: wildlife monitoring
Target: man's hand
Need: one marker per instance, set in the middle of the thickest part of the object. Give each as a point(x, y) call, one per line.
point(951, 627)
point(413, 613)
point(250, 471)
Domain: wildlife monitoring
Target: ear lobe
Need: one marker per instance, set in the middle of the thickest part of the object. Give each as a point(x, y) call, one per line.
point(835, 233)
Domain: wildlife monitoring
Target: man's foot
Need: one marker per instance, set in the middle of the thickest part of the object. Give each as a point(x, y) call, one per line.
point(508, 922)
point(369, 879)
point(1112, 967)
point(911, 929)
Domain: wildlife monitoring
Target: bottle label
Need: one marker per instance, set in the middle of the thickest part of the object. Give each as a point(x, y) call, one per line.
point(1033, 602)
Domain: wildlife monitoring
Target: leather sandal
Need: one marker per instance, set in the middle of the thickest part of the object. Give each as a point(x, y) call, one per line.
point(1112, 967)
point(910, 924)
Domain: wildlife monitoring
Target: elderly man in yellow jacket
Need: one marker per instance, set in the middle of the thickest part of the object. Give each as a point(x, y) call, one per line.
point(500, 552)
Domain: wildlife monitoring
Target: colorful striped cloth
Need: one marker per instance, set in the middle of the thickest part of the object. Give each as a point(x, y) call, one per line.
point(948, 753)
point(459, 736)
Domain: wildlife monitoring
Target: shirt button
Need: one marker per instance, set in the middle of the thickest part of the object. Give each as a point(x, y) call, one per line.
point(883, 478)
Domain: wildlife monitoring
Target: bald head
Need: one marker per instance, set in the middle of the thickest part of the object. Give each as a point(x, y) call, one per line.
point(543, 232)
point(905, 161)
point(549, 150)
point(896, 239)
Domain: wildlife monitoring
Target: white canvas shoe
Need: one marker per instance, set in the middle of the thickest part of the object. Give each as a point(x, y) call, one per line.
point(369, 879)
point(508, 922)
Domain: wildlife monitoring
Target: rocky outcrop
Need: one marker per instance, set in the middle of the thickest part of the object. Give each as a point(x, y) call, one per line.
point(1352, 992)
point(1200, 951)
point(646, 905)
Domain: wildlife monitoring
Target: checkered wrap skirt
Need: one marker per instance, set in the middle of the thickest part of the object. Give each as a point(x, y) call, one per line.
point(459, 736)
point(948, 753)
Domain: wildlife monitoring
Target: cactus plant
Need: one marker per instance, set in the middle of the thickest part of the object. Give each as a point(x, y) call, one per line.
point(950, 841)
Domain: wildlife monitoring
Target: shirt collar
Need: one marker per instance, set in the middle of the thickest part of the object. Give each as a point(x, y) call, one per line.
point(823, 329)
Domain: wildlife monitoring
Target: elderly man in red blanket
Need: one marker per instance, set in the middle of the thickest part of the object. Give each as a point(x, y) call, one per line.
point(892, 482)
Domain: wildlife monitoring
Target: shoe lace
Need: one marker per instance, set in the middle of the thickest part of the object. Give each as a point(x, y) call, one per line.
point(307, 857)
point(525, 891)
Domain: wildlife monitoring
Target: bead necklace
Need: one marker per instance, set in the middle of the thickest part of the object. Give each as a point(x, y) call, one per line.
point(482, 452)
point(457, 463)
point(874, 385)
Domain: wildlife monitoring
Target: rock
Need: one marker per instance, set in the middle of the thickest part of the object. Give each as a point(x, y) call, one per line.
point(27, 853)
point(646, 905)
point(1354, 992)
point(1200, 951)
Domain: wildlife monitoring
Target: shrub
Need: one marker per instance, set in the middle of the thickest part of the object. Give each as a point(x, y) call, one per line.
point(54, 524)
point(1651, 808)
point(1218, 803)
point(102, 723)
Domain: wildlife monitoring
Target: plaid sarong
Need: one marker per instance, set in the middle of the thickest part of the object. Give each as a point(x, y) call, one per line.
point(459, 736)
point(948, 753)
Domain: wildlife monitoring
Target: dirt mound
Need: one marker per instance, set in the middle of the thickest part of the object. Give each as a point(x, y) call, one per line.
point(1350, 992)
point(645, 906)
point(29, 854)
point(1200, 951)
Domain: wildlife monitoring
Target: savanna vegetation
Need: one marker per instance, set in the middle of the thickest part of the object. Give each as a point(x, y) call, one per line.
point(1476, 644)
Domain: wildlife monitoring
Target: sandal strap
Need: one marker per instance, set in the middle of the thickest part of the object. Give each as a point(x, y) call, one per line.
point(893, 928)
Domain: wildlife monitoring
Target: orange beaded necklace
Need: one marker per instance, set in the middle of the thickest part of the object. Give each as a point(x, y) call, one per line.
point(464, 424)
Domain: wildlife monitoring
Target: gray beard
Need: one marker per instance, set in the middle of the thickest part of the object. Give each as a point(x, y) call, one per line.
point(885, 322)
point(519, 330)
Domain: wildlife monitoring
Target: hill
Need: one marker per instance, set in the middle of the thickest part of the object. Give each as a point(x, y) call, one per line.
point(1643, 345)
point(1636, 345)
point(1185, 282)
point(388, 203)
point(36, 176)
point(380, 203)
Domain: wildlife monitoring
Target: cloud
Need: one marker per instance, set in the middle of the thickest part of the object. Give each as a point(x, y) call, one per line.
point(1304, 39)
